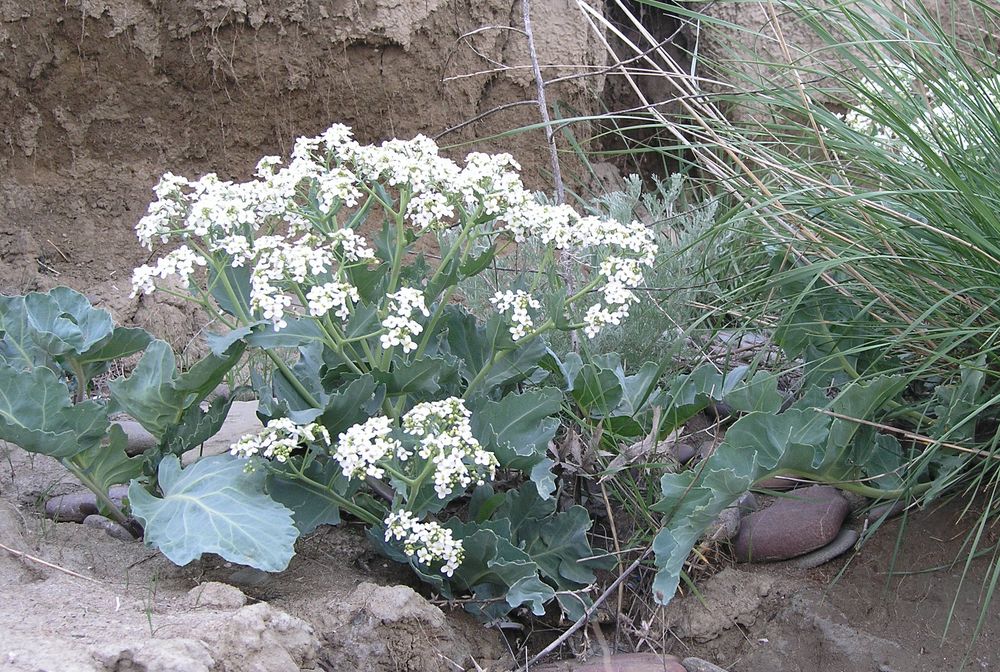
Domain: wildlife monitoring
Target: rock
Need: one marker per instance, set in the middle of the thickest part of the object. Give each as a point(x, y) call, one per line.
point(382, 628)
point(725, 526)
point(808, 519)
point(845, 540)
point(699, 665)
point(260, 637)
point(215, 595)
point(73, 508)
point(139, 440)
point(158, 655)
point(112, 528)
point(684, 451)
point(747, 503)
point(618, 662)
point(886, 510)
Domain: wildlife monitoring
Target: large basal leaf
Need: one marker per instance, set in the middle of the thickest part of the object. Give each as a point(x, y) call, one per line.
point(756, 446)
point(421, 379)
point(36, 413)
point(156, 395)
point(122, 342)
point(215, 506)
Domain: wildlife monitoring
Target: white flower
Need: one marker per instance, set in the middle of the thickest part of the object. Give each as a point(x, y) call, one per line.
point(361, 447)
point(399, 323)
point(324, 298)
point(279, 439)
point(447, 441)
point(429, 210)
point(428, 543)
point(518, 304)
point(179, 262)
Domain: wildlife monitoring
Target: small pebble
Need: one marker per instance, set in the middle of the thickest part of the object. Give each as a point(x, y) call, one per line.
point(113, 529)
point(699, 665)
point(684, 452)
point(807, 519)
point(725, 527)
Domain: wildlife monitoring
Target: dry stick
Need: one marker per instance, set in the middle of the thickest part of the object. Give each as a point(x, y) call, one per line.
point(22, 554)
point(543, 108)
point(590, 612)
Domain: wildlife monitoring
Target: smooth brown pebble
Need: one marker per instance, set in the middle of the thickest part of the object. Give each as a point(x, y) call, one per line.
point(684, 452)
point(699, 665)
point(619, 662)
point(113, 529)
point(807, 519)
point(72, 508)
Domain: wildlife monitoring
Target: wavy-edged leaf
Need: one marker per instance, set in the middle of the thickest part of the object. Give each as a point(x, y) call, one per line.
point(756, 446)
point(215, 506)
point(518, 428)
point(157, 396)
point(36, 413)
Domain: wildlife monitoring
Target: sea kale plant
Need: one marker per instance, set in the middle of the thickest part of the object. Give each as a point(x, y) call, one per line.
point(386, 398)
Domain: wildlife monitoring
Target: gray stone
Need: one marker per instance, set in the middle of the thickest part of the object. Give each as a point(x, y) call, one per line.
point(844, 541)
point(699, 665)
point(725, 526)
point(113, 529)
point(139, 440)
point(807, 519)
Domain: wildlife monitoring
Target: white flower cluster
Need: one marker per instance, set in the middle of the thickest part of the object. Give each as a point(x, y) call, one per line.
point(428, 542)
point(517, 303)
point(241, 220)
point(324, 298)
point(399, 323)
point(447, 441)
point(279, 439)
point(179, 262)
point(361, 447)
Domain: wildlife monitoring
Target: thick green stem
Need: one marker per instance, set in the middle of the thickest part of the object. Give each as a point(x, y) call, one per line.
point(77, 470)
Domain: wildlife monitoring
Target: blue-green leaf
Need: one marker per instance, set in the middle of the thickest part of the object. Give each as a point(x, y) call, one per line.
point(215, 506)
point(36, 413)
